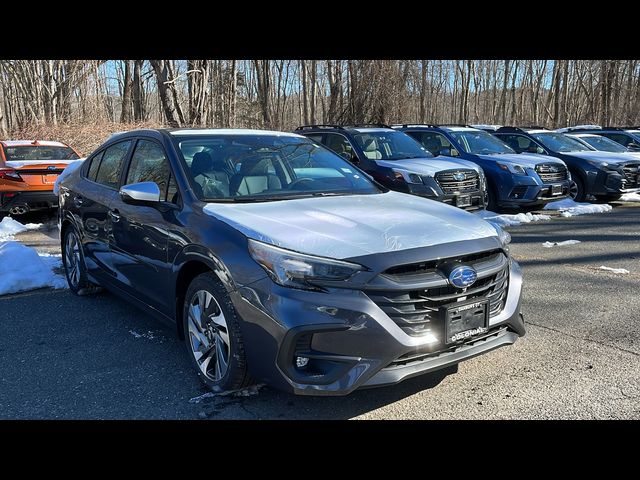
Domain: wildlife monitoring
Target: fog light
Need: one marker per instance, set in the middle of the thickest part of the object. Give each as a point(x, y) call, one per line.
point(301, 362)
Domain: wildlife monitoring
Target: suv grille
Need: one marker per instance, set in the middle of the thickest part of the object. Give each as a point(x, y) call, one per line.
point(632, 174)
point(450, 184)
point(549, 173)
point(417, 312)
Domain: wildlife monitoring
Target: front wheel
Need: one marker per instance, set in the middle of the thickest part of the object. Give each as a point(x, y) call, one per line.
point(576, 189)
point(212, 335)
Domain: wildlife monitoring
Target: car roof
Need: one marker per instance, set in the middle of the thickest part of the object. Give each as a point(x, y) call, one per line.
point(582, 134)
point(230, 131)
point(32, 143)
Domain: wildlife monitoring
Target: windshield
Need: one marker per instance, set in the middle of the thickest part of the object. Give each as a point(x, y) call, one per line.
point(264, 168)
point(558, 142)
point(389, 145)
point(603, 144)
point(39, 152)
point(479, 142)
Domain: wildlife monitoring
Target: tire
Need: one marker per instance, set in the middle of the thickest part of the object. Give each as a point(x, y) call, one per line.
point(73, 261)
point(212, 335)
point(576, 189)
point(491, 203)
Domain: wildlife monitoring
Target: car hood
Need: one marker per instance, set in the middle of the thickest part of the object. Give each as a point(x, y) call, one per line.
point(524, 159)
point(428, 165)
point(352, 225)
point(609, 157)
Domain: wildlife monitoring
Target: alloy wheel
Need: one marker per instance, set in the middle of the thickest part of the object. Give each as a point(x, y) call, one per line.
point(72, 260)
point(208, 335)
point(573, 190)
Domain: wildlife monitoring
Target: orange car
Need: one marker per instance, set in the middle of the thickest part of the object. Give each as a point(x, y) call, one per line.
point(28, 170)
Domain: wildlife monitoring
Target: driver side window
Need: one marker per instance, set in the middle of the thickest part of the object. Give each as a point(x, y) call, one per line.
point(519, 143)
point(339, 144)
point(432, 141)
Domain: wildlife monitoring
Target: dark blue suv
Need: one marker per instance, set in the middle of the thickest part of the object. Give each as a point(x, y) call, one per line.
point(513, 180)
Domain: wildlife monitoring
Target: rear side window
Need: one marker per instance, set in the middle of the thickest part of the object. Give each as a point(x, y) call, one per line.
point(150, 164)
point(111, 164)
point(93, 167)
point(618, 137)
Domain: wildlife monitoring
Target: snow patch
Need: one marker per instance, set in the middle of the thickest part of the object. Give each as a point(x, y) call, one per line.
point(509, 220)
point(615, 270)
point(243, 392)
point(569, 208)
point(630, 197)
point(23, 269)
point(66, 172)
point(9, 227)
point(148, 335)
point(560, 244)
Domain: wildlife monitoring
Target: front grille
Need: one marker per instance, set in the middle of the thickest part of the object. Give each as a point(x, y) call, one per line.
point(417, 312)
point(550, 173)
point(632, 174)
point(449, 184)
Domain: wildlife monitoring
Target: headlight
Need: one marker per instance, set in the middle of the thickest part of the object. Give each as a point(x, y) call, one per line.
point(503, 236)
point(292, 269)
point(513, 168)
point(406, 176)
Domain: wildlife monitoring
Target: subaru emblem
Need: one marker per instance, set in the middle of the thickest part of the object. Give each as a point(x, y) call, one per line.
point(51, 167)
point(459, 176)
point(463, 276)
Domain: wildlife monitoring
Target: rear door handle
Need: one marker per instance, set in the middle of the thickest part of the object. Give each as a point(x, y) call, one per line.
point(115, 215)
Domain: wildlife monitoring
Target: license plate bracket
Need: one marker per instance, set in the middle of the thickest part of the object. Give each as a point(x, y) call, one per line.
point(465, 319)
point(463, 200)
point(556, 189)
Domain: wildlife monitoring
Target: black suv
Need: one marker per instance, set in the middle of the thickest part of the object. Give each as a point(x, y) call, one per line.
point(605, 175)
point(626, 136)
point(400, 163)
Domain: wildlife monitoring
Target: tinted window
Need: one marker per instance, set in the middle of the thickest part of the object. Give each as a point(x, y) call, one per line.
point(111, 164)
point(389, 145)
point(479, 142)
point(520, 143)
point(338, 143)
point(557, 142)
point(150, 164)
point(603, 144)
point(432, 141)
point(316, 137)
point(620, 138)
point(93, 167)
point(40, 152)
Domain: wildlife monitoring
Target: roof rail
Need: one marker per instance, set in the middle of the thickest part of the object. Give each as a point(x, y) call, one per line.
point(405, 125)
point(455, 125)
point(486, 127)
point(367, 125)
point(319, 125)
point(578, 128)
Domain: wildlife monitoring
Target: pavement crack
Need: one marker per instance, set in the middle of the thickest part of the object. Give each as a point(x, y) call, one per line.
point(583, 338)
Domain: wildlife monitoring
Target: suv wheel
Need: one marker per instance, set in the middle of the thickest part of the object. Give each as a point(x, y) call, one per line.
point(212, 335)
point(576, 189)
point(491, 200)
point(73, 261)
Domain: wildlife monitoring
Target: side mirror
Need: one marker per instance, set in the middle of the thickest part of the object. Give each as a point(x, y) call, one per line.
point(633, 146)
point(444, 151)
point(143, 192)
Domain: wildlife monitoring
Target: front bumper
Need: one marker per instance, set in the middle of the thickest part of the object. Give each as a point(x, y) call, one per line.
point(471, 200)
point(35, 200)
point(349, 338)
point(532, 195)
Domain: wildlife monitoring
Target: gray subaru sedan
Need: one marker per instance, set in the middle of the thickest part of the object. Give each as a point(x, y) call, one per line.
point(280, 262)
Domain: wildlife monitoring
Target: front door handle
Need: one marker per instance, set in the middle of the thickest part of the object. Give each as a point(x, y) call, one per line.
point(115, 215)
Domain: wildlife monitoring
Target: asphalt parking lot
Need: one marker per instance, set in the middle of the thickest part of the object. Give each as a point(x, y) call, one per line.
point(63, 356)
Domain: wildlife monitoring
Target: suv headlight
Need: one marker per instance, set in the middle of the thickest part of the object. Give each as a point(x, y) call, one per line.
point(292, 269)
point(503, 236)
point(513, 168)
point(406, 176)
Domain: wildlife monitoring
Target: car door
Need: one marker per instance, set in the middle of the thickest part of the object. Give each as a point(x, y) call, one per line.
point(140, 232)
point(100, 186)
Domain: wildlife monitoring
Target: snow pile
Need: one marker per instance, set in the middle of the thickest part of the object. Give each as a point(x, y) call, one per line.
point(22, 269)
point(615, 270)
point(509, 220)
point(66, 172)
point(569, 208)
point(243, 392)
point(560, 244)
point(9, 227)
point(630, 197)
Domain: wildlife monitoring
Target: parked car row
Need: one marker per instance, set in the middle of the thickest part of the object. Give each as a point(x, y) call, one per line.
point(315, 261)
